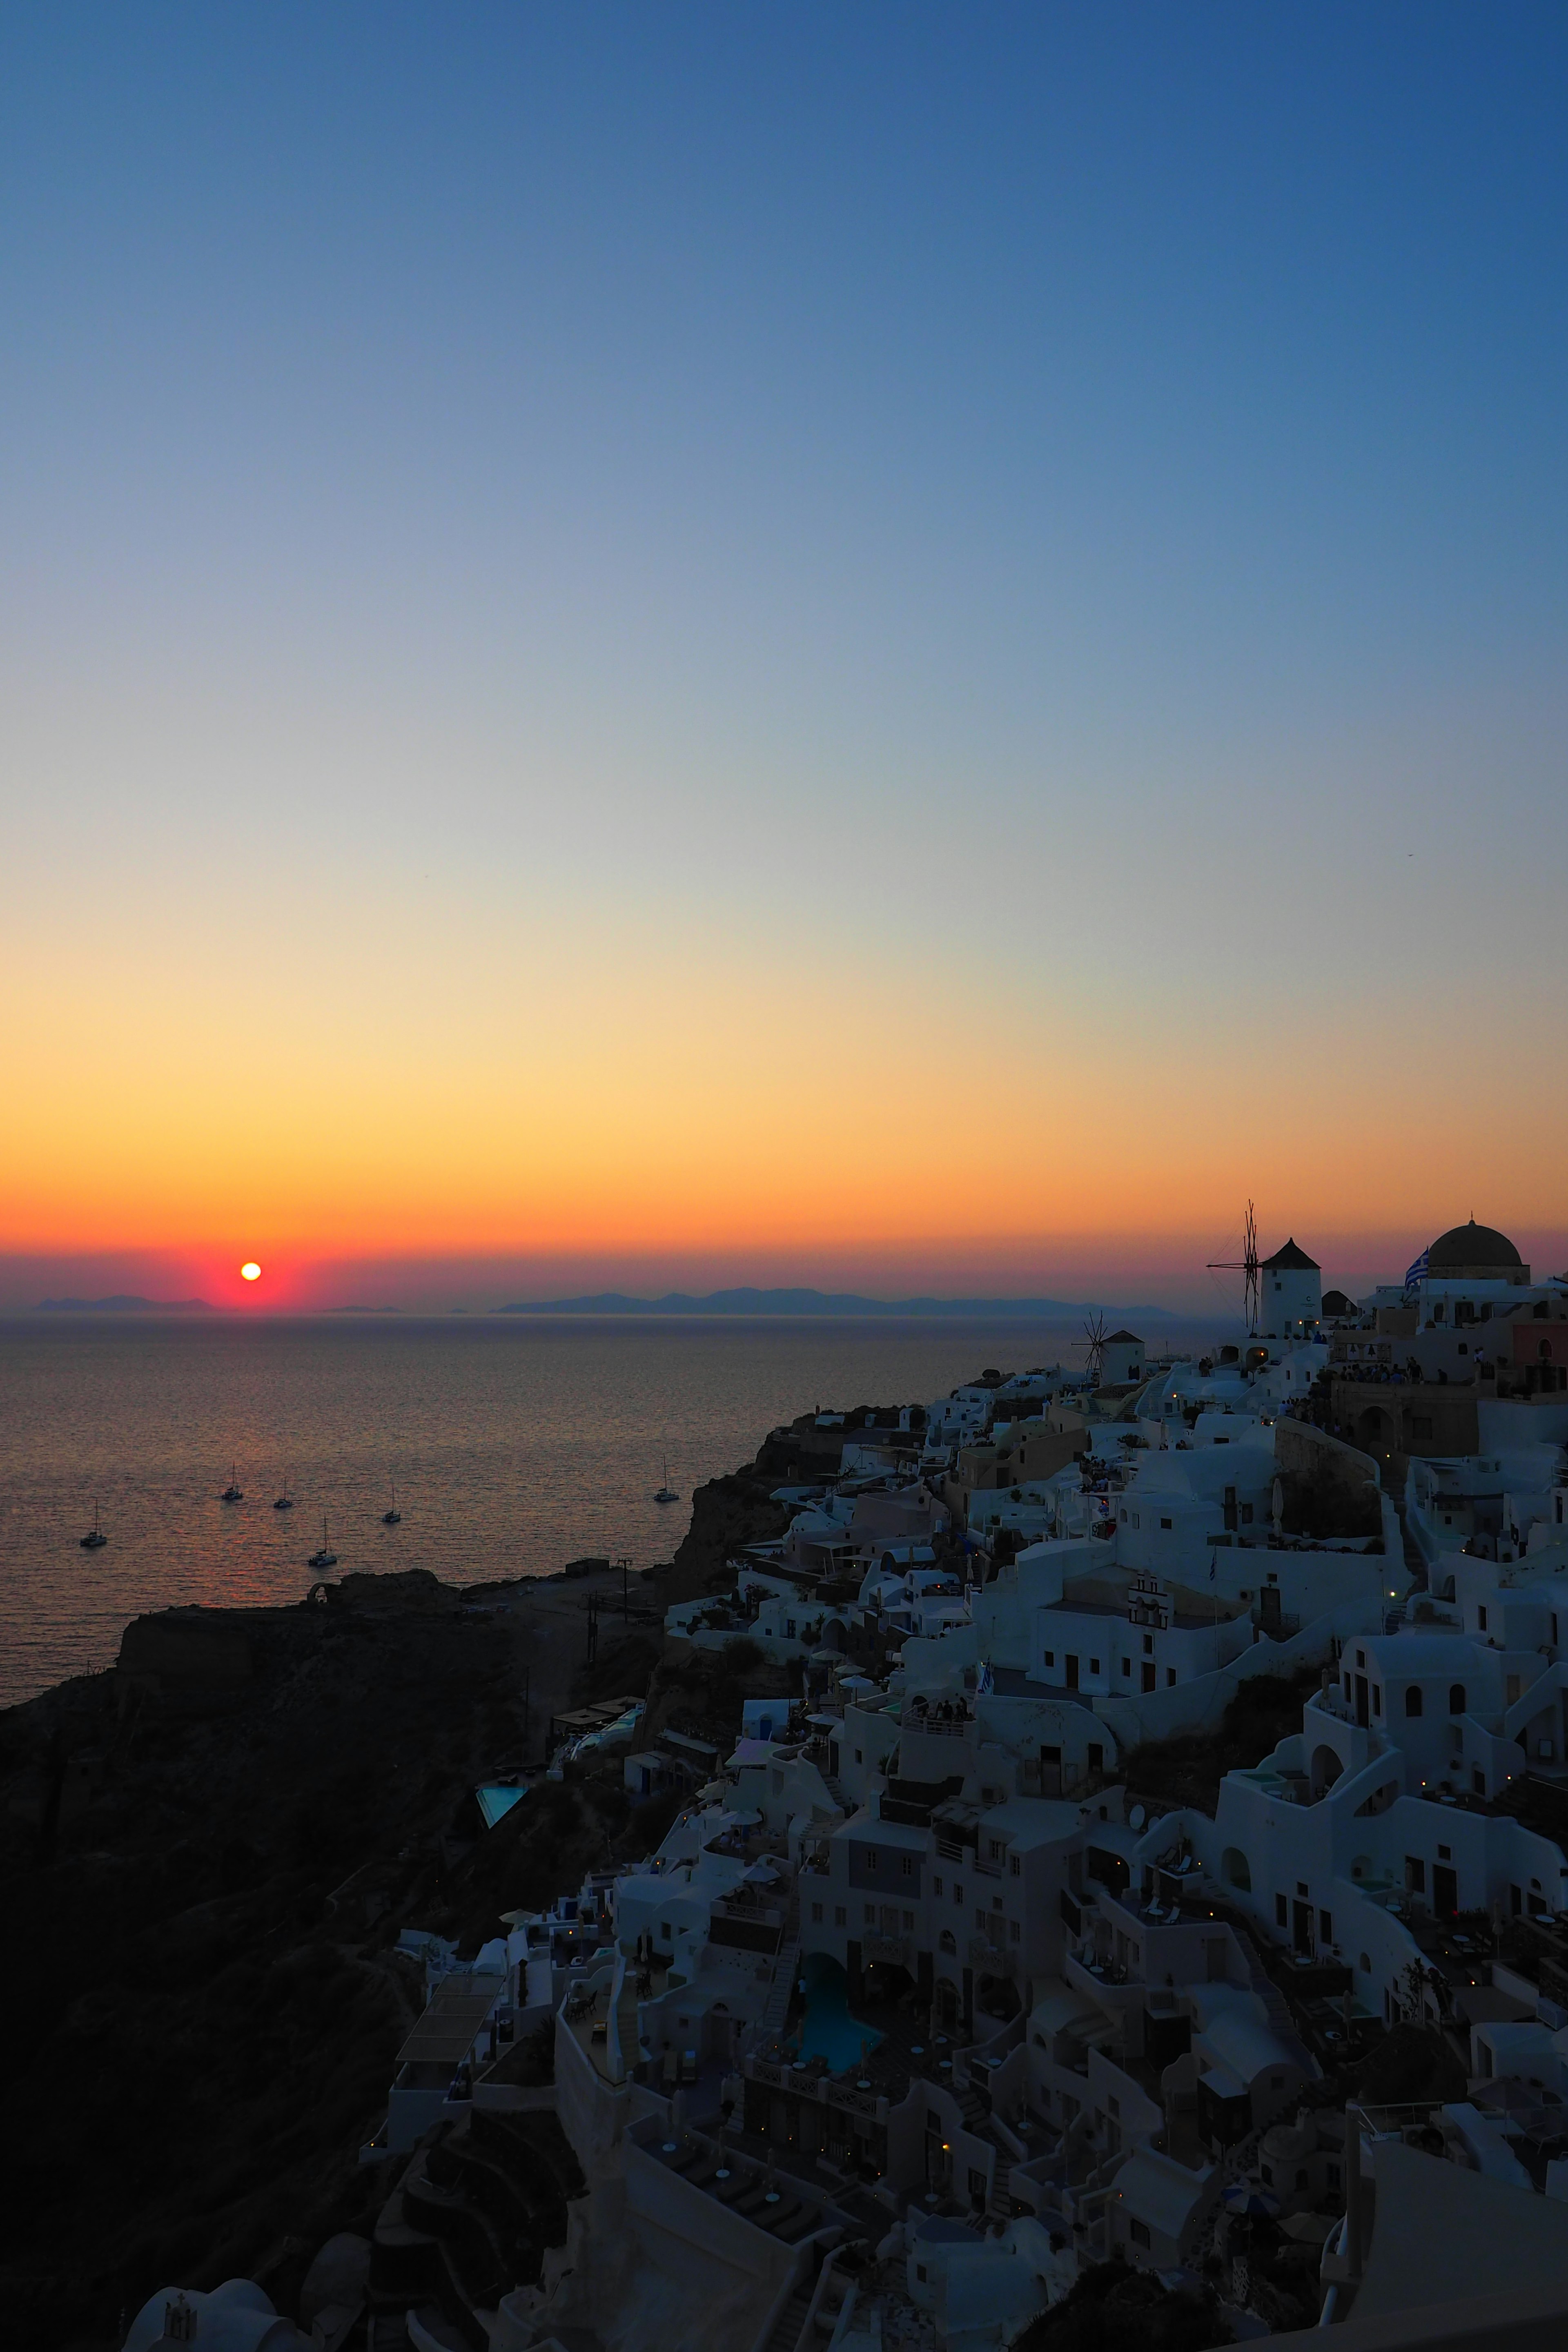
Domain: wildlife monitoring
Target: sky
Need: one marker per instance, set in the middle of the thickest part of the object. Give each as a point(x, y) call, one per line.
point(910, 647)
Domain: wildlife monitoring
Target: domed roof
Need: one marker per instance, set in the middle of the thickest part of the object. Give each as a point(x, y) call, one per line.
point(1470, 1245)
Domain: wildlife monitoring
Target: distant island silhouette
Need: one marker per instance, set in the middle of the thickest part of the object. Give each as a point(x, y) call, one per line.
point(817, 1302)
point(122, 1304)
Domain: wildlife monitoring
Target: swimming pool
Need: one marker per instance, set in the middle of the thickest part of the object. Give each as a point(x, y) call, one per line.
point(828, 2030)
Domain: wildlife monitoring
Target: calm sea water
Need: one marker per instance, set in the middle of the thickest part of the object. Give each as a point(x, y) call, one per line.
point(516, 1445)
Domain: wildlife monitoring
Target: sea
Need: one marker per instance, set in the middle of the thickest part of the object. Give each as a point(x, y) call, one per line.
point(515, 1443)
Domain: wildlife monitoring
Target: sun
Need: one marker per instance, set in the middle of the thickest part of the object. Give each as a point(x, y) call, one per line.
point(251, 1271)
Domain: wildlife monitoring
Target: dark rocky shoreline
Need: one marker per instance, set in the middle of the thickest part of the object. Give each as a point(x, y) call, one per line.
point(206, 1854)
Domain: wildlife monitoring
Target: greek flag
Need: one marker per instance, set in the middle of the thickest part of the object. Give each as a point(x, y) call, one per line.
point(1213, 1563)
point(986, 1681)
point(1416, 1273)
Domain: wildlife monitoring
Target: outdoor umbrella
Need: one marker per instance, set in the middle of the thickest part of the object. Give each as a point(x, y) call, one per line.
point(1241, 2197)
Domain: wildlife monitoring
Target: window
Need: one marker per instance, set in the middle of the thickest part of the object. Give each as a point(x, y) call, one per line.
point(1096, 1756)
point(1377, 1698)
point(1164, 1523)
point(1138, 2231)
point(945, 1942)
point(1094, 1665)
point(1415, 1874)
point(907, 1864)
point(1148, 1645)
point(816, 1915)
point(1170, 1678)
point(1456, 1698)
point(1014, 1932)
point(1445, 1853)
point(1281, 1917)
point(1127, 1666)
point(871, 1915)
point(1050, 1657)
point(936, 1885)
point(958, 1890)
point(908, 1921)
point(980, 1914)
point(1413, 1699)
point(1246, 1515)
point(840, 1916)
point(1481, 1617)
point(1014, 1867)
point(1325, 1926)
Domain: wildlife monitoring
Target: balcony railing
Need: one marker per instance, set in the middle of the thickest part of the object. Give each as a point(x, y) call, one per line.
point(996, 1959)
point(889, 1949)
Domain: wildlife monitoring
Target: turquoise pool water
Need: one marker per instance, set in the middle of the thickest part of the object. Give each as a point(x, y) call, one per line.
point(828, 2030)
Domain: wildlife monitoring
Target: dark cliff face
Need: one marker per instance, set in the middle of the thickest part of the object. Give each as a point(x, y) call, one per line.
point(203, 1862)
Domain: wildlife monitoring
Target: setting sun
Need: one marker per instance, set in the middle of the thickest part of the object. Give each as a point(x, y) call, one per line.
point(250, 1270)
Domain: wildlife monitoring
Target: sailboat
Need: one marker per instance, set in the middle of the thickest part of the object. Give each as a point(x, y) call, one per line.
point(97, 1539)
point(285, 1501)
point(326, 1557)
point(394, 1518)
point(667, 1493)
point(234, 1492)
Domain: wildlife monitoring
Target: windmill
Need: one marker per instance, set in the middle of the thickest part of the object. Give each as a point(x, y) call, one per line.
point(1247, 1264)
point(1094, 1326)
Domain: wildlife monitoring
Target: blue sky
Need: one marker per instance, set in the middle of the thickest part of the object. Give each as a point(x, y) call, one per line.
point(526, 520)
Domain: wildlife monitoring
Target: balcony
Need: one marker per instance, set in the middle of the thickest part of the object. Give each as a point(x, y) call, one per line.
point(982, 1864)
point(890, 1950)
point(996, 1959)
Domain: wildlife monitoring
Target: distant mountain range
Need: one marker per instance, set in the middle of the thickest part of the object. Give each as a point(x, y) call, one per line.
point(822, 1302)
point(122, 1305)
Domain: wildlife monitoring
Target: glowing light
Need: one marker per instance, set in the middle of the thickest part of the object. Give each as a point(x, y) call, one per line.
point(250, 1270)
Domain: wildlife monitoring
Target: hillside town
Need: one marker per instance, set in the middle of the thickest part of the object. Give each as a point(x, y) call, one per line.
point(1133, 1882)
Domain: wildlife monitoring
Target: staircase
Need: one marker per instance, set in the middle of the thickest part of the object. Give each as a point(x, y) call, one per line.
point(1274, 2002)
point(626, 2022)
point(787, 2326)
point(775, 2009)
